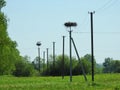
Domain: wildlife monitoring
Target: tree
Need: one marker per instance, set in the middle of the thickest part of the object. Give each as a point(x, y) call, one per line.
point(59, 65)
point(107, 65)
point(86, 63)
point(9, 54)
point(24, 67)
point(116, 66)
point(57, 70)
point(2, 4)
point(111, 66)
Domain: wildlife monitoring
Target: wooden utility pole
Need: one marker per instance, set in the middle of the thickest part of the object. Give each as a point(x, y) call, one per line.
point(47, 62)
point(53, 55)
point(63, 58)
point(92, 44)
point(70, 24)
point(43, 60)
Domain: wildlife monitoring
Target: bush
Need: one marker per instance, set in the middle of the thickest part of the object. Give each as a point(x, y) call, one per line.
point(23, 69)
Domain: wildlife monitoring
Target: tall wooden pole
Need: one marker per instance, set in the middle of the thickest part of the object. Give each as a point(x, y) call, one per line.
point(92, 44)
point(63, 58)
point(70, 33)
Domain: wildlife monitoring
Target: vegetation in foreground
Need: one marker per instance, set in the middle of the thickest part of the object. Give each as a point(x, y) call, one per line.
point(102, 82)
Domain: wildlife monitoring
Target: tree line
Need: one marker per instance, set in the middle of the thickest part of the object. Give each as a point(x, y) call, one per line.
point(10, 60)
point(12, 63)
point(59, 68)
point(108, 66)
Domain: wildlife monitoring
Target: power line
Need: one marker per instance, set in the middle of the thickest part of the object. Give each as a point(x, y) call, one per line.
point(85, 21)
point(98, 32)
point(103, 6)
point(107, 5)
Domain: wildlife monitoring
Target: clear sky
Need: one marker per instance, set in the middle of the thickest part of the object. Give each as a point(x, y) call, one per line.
point(43, 20)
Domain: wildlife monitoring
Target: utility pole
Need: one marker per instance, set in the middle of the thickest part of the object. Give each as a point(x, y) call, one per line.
point(73, 24)
point(39, 58)
point(63, 58)
point(92, 44)
point(53, 58)
point(47, 62)
point(70, 33)
point(69, 25)
point(39, 44)
point(43, 60)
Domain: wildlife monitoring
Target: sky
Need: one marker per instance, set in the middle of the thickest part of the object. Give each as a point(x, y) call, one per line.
point(31, 21)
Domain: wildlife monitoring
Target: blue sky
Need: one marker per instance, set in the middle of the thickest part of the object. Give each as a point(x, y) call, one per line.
point(43, 20)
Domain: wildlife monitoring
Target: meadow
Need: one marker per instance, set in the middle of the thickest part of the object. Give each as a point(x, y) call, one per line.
point(102, 82)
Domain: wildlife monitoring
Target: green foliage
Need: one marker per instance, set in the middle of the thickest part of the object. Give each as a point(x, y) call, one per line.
point(24, 67)
point(59, 68)
point(86, 60)
point(8, 52)
point(107, 65)
point(10, 59)
point(111, 66)
point(2, 4)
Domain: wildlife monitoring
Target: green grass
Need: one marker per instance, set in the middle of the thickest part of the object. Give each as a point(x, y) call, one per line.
point(102, 82)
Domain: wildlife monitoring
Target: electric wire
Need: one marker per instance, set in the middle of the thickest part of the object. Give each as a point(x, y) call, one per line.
point(97, 32)
point(84, 22)
point(103, 6)
point(107, 5)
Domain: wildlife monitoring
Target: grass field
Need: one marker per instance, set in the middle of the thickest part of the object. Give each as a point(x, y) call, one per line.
point(102, 82)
